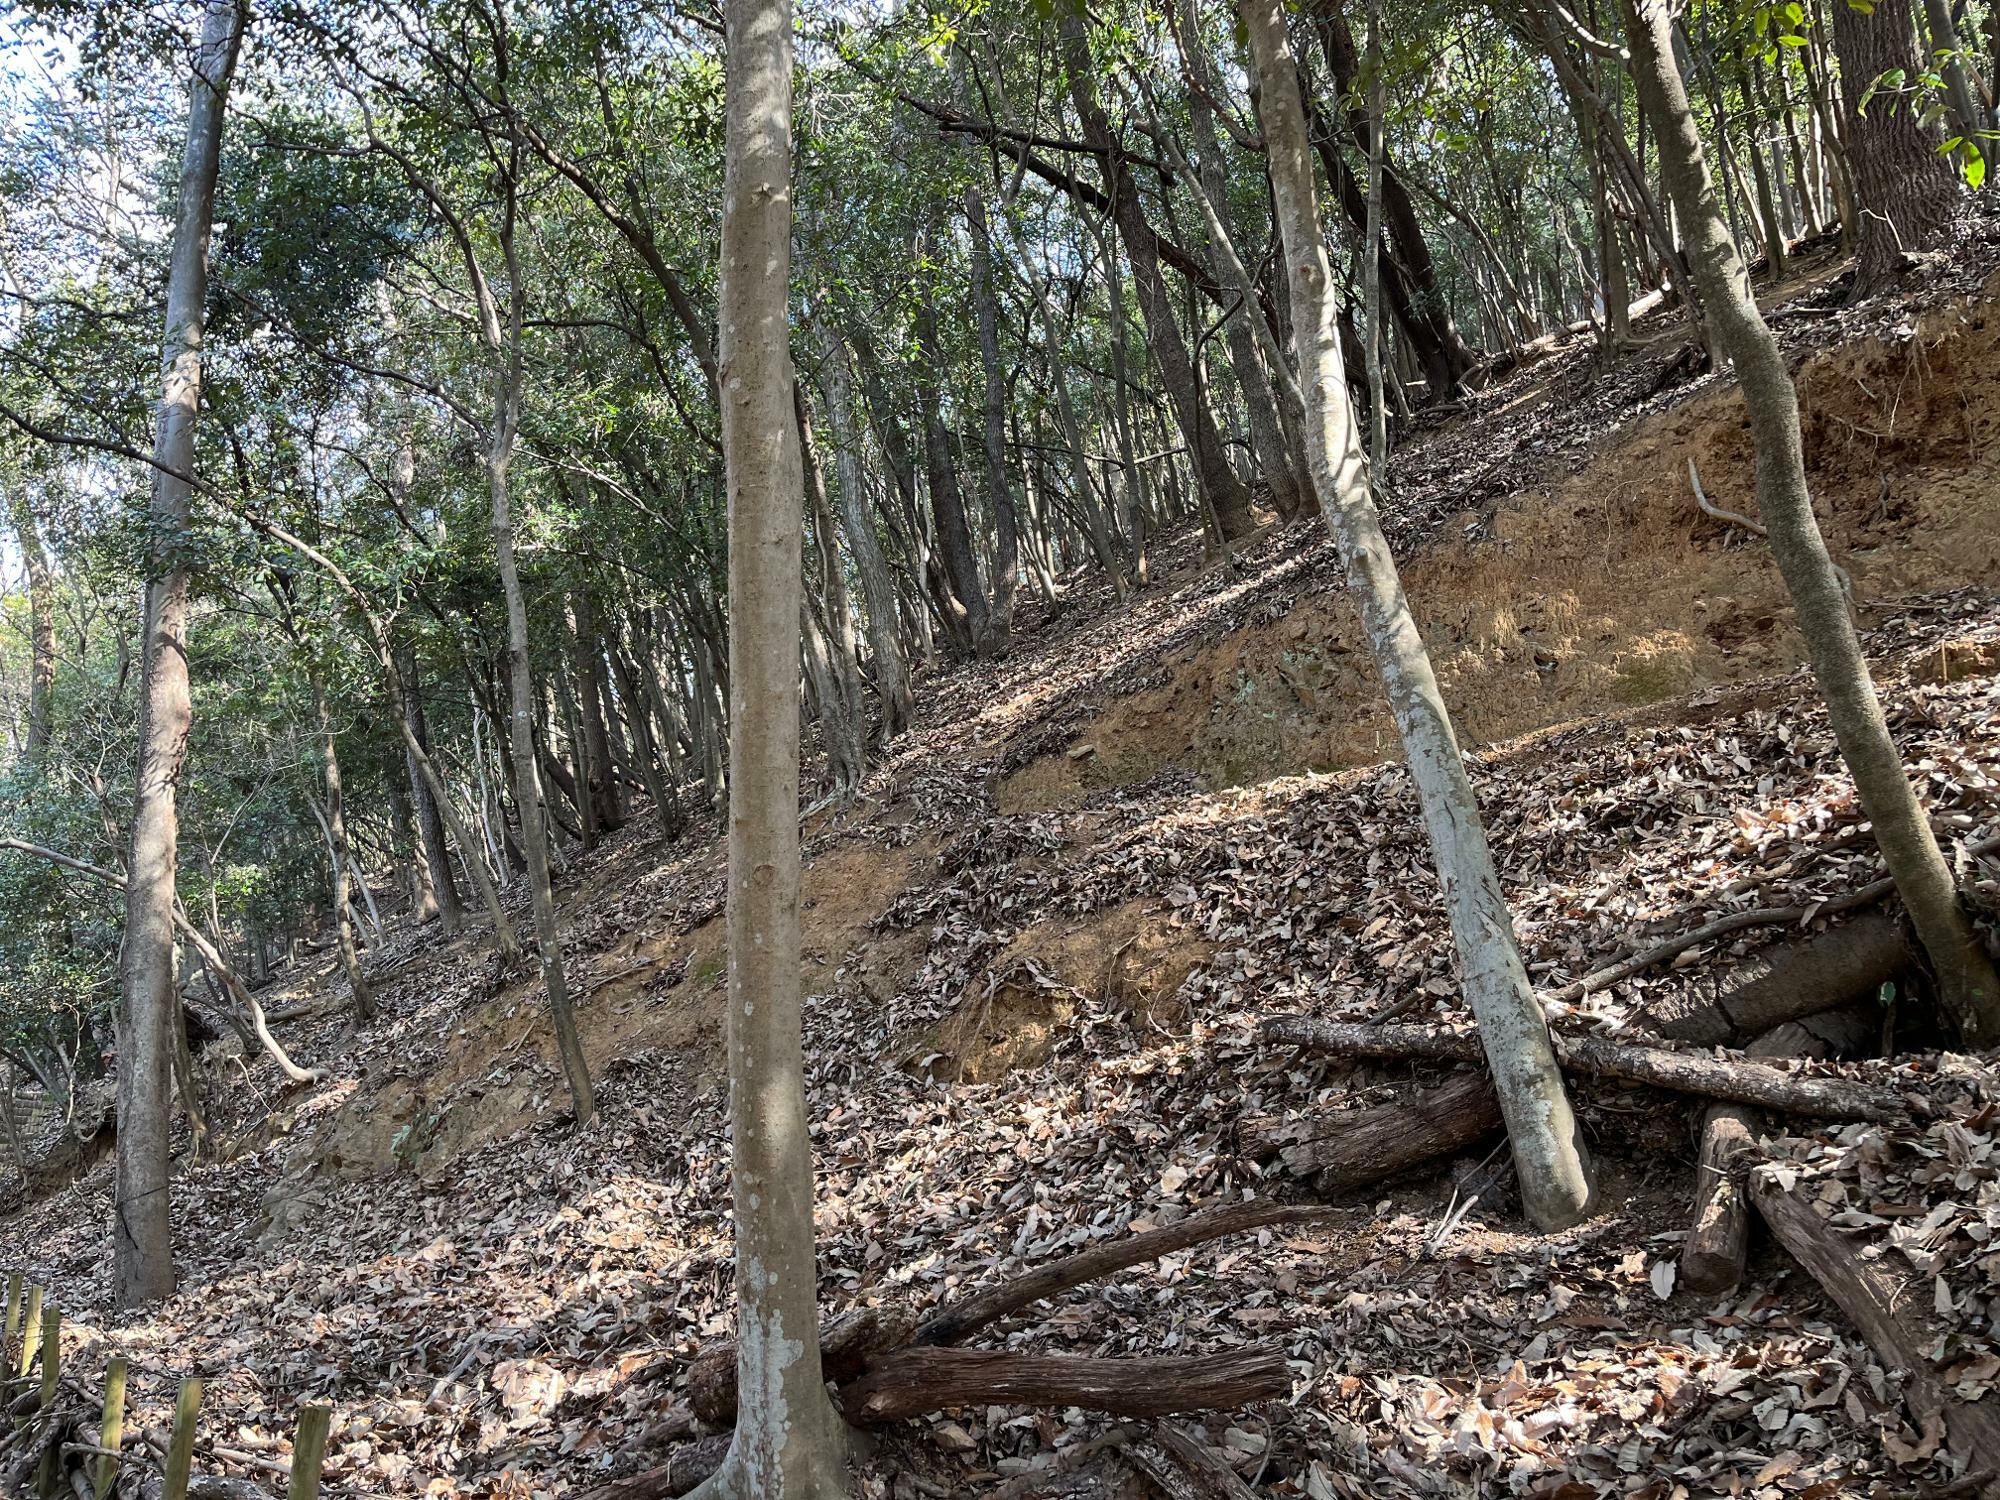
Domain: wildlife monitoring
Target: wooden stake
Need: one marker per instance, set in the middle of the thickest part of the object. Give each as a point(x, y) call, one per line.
point(13, 1312)
point(180, 1447)
point(309, 1452)
point(31, 1332)
point(111, 1431)
point(51, 1353)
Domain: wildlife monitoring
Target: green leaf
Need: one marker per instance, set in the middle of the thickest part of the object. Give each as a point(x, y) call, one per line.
point(1791, 41)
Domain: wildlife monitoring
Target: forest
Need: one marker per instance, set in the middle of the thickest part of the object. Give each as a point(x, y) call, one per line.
point(1097, 750)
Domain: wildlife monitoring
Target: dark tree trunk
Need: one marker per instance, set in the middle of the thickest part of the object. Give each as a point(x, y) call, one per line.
point(1905, 188)
point(1226, 492)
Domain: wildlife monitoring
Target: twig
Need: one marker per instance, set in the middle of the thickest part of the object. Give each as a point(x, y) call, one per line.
point(1735, 518)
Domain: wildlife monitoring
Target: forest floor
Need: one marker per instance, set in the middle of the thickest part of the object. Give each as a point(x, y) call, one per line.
point(1038, 948)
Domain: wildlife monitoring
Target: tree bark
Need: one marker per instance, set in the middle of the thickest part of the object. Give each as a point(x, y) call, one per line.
point(1886, 1307)
point(41, 631)
point(788, 1443)
point(337, 853)
point(1904, 188)
point(878, 588)
point(141, 1235)
point(912, 1381)
point(430, 823)
point(962, 600)
point(843, 720)
point(1345, 1150)
point(1548, 1148)
point(1219, 482)
point(993, 411)
point(1734, 1078)
point(1967, 984)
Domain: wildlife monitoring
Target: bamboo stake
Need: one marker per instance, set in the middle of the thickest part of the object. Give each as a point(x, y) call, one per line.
point(111, 1432)
point(309, 1451)
point(31, 1332)
point(180, 1447)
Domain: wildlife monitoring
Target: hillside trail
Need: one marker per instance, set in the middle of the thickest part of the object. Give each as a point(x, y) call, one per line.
point(1038, 947)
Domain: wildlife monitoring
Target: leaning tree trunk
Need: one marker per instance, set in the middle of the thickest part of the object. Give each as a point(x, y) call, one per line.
point(788, 1438)
point(141, 1233)
point(1904, 188)
point(1548, 1149)
point(1225, 491)
point(1966, 981)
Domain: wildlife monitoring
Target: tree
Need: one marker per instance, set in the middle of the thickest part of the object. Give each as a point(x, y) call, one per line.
point(1966, 982)
point(141, 1236)
point(788, 1442)
point(1548, 1148)
point(1906, 188)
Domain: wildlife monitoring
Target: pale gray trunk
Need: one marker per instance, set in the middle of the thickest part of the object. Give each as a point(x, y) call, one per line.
point(788, 1438)
point(1967, 985)
point(141, 1233)
point(1547, 1145)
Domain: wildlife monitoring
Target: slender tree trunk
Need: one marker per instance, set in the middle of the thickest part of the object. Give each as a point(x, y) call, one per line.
point(430, 820)
point(878, 589)
point(41, 631)
point(1219, 482)
point(1378, 410)
point(521, 729)
point(1966, 980)
point(788, 1443)
point(1904, 190)
point(337, 851)
point(963, 600)
point(1548, 1148)
point(999, 487)
point(831, 648)
point(141, 1235)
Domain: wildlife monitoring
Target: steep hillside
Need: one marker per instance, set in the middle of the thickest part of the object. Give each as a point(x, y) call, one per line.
point(1038, 949)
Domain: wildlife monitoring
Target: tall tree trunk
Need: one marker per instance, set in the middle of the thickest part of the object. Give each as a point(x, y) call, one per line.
point(521, 725)
point(41, 631)
point(1966, 980)
point(141, 1234)
point(1225, 491)
point(1406, 259)
point(602, 785)
point(963, 600)
point(999, 488)
point(1278, 448)
point(430, 820)
point(878, 589)
point(1904, 189)
point(1548, 1148)
point(788, 1443)
point(832, 649)
point(409, 853)
point(335, 818)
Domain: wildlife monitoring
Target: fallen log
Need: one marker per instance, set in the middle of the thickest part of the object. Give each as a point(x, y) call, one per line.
point(915, 1380)
point(849, 1342)
point(1788, 982)
point(1888, 1311)
point(969, 1314)
point(679, 1475)
point(1739, 921)
point(1713, 1254)
point(845, 1345)
point(1734, 1078)
point(1344, 1150)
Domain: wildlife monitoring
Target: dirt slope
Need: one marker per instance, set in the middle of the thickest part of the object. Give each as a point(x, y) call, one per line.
point(1037, 950)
